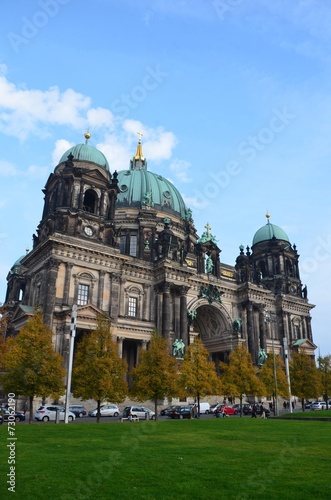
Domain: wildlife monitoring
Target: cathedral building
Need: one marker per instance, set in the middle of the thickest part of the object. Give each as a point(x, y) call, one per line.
point(124, 244)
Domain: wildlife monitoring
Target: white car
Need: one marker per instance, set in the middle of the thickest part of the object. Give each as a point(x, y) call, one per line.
point(106, 411)
point(318, 405)
point(48, 412)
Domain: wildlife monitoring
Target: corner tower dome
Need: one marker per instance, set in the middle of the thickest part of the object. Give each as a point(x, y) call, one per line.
point(269, 232)
point(143, 189)
point(85, 152)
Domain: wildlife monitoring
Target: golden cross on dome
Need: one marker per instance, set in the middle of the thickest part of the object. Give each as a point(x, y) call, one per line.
point(140, 135)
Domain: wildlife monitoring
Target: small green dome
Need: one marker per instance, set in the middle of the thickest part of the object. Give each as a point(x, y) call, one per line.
point(268, 232)
point(85, 152)
point(140, 188)
point(16, 266)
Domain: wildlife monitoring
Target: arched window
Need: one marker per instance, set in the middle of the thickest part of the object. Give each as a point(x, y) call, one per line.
point(90, 201)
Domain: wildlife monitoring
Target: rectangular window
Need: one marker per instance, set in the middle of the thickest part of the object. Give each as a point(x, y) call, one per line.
point(133, 246)
point(122, 243)
point(132, 310)
point(82, 296)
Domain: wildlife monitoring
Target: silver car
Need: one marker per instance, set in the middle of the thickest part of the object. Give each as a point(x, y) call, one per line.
point(106, 411)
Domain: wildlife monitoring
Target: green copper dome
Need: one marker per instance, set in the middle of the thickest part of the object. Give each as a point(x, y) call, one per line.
point(141, 188)
point(85, 152)
point(268, 232)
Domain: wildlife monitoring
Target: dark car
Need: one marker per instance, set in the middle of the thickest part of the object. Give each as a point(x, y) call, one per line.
point(180, 412)
point(165, 411)
point(18, 416)
point(78, 410)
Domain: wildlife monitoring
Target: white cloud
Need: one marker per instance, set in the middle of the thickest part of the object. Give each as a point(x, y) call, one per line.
point(195, 203)
point(100, 117)
point(180, 167)
point(24, 112)
point(61, 146)
point(36, 172)
point(7, 169)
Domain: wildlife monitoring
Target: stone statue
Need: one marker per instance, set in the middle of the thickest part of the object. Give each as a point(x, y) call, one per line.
point(237, 325)
point(262, 356)
point(178, 348)
point(209, 265)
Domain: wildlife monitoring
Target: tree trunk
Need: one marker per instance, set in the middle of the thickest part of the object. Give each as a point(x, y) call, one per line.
point(30, 409)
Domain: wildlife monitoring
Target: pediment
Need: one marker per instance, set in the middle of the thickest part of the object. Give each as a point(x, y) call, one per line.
point(304, 344)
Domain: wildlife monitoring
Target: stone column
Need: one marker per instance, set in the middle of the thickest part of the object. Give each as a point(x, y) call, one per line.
point(250, 341)
point(262, 328)
point(146, 303)
point(100, 289)
point(120, 346)
point(183, 315)
point(166, 311)
point(67, 280)
point(49, 291)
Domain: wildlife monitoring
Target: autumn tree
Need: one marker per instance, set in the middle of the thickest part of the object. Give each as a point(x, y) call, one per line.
point(305, 378)
point(99, 372)
point(156, 375)
point(273, 376)
point(31, 366)
point(239, 375)
point(198, 374)
point(324, 368)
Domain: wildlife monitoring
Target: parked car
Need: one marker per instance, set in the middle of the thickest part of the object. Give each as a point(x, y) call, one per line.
point(165, 411)
point(227, 409)
point(245, 407)
point(78, 410)
point(18, 416)
point(180, 412)
point(48, 412)
point(106, 411)
point(318, 405)
point(308, 405)
point(139, 411)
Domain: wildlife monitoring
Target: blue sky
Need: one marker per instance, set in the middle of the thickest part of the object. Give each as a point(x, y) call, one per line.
point(232, 96)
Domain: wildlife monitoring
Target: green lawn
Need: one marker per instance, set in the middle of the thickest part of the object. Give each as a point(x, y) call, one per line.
point(235, 458)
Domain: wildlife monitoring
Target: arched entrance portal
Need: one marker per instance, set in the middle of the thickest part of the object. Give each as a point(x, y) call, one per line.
point(214, 325)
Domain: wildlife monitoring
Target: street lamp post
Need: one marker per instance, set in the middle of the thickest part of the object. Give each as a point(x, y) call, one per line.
point(270, 317)
point(287, 372)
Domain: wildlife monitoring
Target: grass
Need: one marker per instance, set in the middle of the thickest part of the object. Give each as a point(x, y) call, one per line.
point(229, 458)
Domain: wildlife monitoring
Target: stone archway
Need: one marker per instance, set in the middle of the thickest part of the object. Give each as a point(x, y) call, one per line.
point(213, 324)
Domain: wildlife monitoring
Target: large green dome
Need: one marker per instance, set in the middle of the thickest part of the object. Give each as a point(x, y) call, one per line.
point(139, 187)
point(268, 232)
point(85, 152)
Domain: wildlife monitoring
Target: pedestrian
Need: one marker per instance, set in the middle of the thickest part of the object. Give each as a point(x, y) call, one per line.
point(262, 411)
point(270, 406)
point(196, 415)
point(129, 415)
point(1, 416)
point(254, 411)
point(25, 407)
point(284, 405)
point(293, 405)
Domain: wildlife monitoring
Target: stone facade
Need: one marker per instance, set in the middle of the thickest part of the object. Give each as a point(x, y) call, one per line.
point(135, 256)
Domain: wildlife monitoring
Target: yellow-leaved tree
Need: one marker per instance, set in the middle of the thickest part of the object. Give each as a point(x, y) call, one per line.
point(239, 375)
point(30, 364)
point(198, 375)
point(99, 372)
point(156, 375)
point(305, 377)
point(273, 375)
